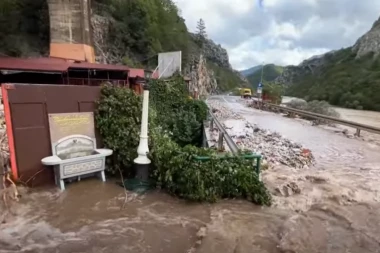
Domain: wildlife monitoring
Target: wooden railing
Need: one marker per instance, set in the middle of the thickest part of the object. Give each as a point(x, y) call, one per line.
point(96, 82)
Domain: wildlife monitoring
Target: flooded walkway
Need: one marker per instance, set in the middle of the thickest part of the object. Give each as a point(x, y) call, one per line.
point(87, 218)
point(332, 208)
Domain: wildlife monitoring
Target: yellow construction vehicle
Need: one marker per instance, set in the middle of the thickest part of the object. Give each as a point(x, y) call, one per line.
point(246, 93)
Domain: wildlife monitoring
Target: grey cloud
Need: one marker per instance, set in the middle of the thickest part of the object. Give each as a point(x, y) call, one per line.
point(297, 13)
point(240, 28)
point(336, 17)
point(323, 37)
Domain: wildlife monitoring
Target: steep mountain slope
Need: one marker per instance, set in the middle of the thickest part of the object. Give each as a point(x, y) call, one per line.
point(251, 71)
point(270, 73)
point(24, 27)
point(348, 77)
point(129, 32)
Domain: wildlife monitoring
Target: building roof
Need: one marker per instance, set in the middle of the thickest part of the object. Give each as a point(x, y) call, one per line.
point(35, 64)
point(53, 65)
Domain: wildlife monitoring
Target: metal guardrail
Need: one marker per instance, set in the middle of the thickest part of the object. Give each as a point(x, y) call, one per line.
point(223, 135)
point(358, 126)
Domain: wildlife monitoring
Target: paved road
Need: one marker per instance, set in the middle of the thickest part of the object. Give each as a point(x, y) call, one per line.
point(330, 148)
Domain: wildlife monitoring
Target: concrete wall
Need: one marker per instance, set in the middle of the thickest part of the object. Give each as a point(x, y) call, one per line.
point(70, 30)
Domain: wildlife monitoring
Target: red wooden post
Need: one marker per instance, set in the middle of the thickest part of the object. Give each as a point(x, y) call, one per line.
point(8, 124)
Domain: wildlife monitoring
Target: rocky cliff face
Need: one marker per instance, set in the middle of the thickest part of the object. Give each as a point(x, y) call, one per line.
point(103, 51)
point(202, 78)
point(308, 66)
point(369, 42)
point(214, 52)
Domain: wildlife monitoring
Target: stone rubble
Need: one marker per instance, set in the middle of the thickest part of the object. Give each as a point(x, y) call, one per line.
point(222, 112)
point(275, 149)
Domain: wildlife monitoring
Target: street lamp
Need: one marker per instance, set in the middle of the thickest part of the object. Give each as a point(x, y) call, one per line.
point(142, 162)
point(147, 74)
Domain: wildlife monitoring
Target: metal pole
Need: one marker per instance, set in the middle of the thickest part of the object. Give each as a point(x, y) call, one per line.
point(260, 98)
point(220, 141)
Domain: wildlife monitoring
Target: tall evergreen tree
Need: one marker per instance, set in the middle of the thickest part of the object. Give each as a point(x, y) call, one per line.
point(201, 29)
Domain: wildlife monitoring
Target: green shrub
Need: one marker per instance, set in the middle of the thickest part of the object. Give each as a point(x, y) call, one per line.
point(315, 106)
point(184, 127)
point(181, 116)
point(321, 107)
point(297, 104)
point(174, 166)
point(180, 174)
point(199, 107)
point(118, 120)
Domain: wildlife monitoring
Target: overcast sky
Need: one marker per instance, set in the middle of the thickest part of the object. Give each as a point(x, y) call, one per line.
point(283, 32)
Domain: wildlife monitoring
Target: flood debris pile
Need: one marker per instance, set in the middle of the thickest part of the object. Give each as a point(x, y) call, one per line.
point(8, 190)
point(275, 148)
point(4, 148)
point(222, 112)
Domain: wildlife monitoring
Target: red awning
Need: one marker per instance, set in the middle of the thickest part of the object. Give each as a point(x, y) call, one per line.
point(35, 64)
point(53, 65)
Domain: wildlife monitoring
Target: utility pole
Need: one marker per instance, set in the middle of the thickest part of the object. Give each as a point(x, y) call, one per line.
point(259, 89)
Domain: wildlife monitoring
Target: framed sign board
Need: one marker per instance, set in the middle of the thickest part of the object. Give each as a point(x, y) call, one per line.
point(64, 124)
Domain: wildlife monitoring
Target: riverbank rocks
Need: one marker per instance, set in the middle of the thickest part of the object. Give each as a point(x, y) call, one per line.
point(222, 112)
point(274, 148)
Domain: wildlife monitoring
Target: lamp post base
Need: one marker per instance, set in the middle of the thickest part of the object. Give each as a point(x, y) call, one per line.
point(142, 171)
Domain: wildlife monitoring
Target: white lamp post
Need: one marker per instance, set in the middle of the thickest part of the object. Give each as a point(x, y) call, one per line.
point(142, 162)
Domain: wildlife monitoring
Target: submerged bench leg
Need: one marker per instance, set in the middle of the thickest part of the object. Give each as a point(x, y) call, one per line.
point(103, 176)
point(62, 185)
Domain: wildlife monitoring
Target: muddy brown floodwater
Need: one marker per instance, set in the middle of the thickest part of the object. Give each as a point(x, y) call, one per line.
point(332, 208)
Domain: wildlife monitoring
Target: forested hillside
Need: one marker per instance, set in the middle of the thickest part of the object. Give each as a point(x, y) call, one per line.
point(250, 71)
point(270, 72)
point(342, 80)
point(24, 27)
point(348, 77)
point(133, 33)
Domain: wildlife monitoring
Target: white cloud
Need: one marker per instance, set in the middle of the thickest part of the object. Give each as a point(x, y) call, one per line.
point(281, 53)
point(283, 31)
